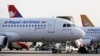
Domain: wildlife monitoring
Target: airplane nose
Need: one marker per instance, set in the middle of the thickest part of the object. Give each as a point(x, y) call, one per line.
point(79, 33)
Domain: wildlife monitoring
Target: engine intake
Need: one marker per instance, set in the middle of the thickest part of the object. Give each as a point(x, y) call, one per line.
point(87, 41)
point(3, 41)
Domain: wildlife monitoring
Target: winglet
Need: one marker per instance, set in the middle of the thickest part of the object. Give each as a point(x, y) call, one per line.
point(13, 12)
point(85, 21)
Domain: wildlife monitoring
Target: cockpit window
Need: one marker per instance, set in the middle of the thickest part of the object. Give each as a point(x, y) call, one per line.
point(64, 25)
point(68, 25)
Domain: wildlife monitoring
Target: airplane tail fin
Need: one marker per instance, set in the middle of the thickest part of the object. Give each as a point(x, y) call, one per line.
point(86, 22)
point(13, 12)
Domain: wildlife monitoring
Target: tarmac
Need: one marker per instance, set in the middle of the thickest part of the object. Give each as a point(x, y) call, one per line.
point(32, 52)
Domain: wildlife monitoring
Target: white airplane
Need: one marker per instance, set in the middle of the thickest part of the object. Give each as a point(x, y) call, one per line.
point(14, 13)
point(92, 34)
point(36, 29)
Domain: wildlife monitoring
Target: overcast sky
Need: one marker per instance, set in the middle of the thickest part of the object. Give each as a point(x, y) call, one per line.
point(50, 8)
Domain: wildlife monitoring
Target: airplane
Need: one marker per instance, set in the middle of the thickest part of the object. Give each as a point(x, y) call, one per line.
point(92, 34)
point(37, 30)
point(13, 9)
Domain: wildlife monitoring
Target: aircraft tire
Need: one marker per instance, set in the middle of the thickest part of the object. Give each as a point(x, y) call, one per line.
point(17, 48)
point(59, 51)
point(0, 49)
point(54, 50)
point(10, 48)
point(20, 48)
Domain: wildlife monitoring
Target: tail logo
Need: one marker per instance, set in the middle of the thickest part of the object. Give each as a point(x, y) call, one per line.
point(12, 14)
point(85, 23)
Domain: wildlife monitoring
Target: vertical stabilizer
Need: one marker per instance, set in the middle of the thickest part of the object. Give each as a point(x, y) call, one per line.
point(13, 12)
point(86, 22)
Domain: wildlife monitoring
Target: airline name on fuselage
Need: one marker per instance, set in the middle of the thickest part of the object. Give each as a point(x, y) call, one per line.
point(93, 29)
point(22, 22)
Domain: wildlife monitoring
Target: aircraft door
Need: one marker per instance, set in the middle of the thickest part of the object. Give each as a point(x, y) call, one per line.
point(51, 26)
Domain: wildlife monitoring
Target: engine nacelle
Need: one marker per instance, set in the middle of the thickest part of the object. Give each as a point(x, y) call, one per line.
point(3, 41)
point(11, 36)
point(87, 41)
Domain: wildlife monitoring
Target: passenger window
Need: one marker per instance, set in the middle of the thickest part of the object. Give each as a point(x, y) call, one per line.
point(26, 25)
point(29, 25)
point(14, 25)
point(64, 25)
point(11, 25)
point(41, 25)
point(20, 25)
point(17, 25)
point(23, 25)
point(32, 25)
point(8, 25)
point(44, 25)
point(2, 25)
point(38, 25)
point(35, 25)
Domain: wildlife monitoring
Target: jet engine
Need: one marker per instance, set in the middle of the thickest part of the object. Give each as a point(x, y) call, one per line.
point(3, 41)
point(87, 41)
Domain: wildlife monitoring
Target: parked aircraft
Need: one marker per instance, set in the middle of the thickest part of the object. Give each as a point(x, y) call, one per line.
point(92, 34)
point(37, 29)
point(12, 10)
